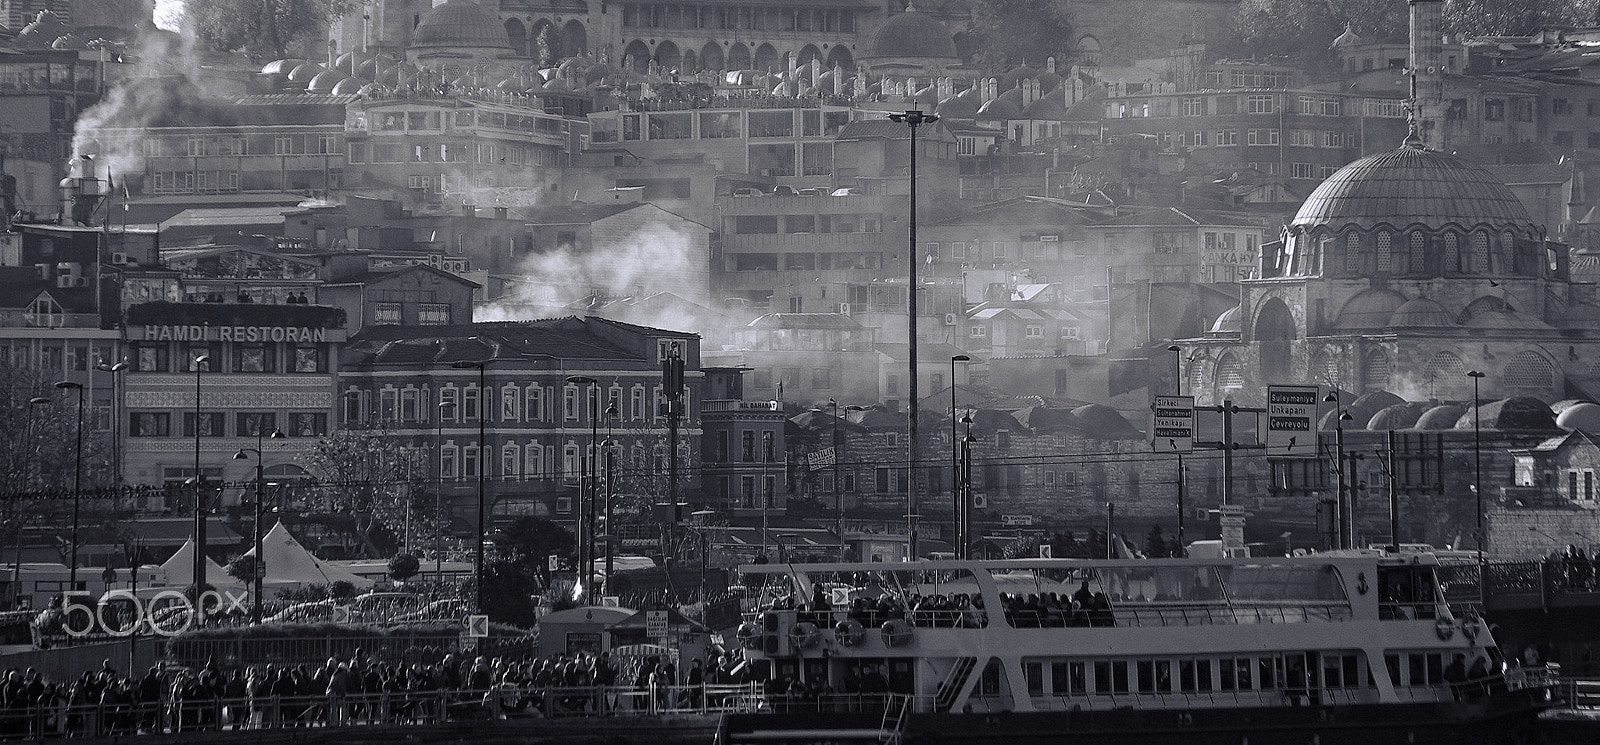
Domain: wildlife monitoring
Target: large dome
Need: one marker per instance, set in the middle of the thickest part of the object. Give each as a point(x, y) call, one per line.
point(1412, 185)
point(912, 34)
point(461, 23)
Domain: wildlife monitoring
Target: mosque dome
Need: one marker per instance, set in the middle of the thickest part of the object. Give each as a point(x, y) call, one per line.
point(959, 106)
point(911, 34)
point(1371, 309)
point(1584, 416)
point(1441, 417)
point(325, 81)
point(461, 23)
point(1520, 413)
point(348, 86)
point(1421, 313)
point(1412, 185)
point(1228, 322)
point(1398, 416)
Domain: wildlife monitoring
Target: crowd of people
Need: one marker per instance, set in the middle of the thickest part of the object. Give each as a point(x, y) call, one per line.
point(953, 610)
point(357, 690)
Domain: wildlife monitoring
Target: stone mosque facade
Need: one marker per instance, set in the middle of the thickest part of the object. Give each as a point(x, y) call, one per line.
point(717, 35)
point(1402, 272)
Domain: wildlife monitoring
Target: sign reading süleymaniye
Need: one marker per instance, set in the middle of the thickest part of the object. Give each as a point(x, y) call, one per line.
point(235, 333)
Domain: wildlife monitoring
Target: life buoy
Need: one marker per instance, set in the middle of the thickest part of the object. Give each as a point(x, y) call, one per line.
point(849, 632)
point(1444, 628)
point(1471, 626)
point(896, 632)
point(805, 635)
point(750, 635)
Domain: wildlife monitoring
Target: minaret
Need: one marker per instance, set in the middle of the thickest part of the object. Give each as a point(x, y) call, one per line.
point(1427, 71)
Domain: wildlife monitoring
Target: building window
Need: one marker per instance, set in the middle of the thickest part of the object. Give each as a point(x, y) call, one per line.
point(1261, 137)
point(569, 403)
point(150, 358)
point(1494, 110)
point(1034, 332)
point(821, 378)
point(510, 461)
point(447, 462)
point(533, 463)
point(386, 313)
point(1302, 170)
point(747, 491)
point(469, 462)
point(533, 404)
point(150, 424)
point(388, 407)
point(978, 331)
point(449, 404)
point(210, 424)
point(636, 403)
point(256, 424)
point(310, 359)
point(408, 405)
point(307, 424)
point(471, 404)
point(510, 403)
point(1260, 103)
point(747, 446)
point(433, 314)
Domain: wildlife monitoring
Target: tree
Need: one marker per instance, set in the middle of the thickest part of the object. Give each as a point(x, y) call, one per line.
point(404, 566)
point(519, 570)
point(1304, 29)
point(1470, 18)
point(243, 568)
point(1007, 33)
point(370, 475)
point(262, 27)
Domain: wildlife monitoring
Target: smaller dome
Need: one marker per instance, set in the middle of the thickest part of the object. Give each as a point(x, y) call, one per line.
point(928, 97)
point(1421, 313)
point(303, 73)
point(1399, 416)
point(1369, 310)
point(1228, 322)
point(1441, 417)
point(999, 108)
point(957, 107)
point(325, 81)
point(1104, 423)
point(348, 86)
point(1046, 109)
point(281, 66)
point(1521, 413)
point(1584, 416)
point(913, 34)
point(70, 41)
point(1505, 319)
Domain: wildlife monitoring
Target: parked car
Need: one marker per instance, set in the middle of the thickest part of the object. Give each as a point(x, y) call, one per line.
point(848, 191)
point(451, 609)
point(318, 611)
point(747, 191)
point(813, 191)
point(783, 191)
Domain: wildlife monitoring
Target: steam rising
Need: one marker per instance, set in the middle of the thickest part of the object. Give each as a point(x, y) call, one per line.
point(659, 257)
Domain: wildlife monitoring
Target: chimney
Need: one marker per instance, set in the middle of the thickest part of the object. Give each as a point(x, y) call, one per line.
point(501, 211)
point(469, 210)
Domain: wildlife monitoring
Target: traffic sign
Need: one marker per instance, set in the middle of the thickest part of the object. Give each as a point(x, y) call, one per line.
point(477, 626)
point(820, 459)
point(1231, 517)
point(341, 614)
point(655, 624)
point(1173, 427)
point(1292, 421)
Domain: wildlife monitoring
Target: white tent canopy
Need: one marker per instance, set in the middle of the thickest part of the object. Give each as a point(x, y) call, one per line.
point(180, 570)
point(290, 565)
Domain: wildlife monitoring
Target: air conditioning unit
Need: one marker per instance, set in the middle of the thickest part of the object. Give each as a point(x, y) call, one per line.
point(66, 280)
point(1202, 514)
point(949, 319)
point(980, 501)
point(80, 281)
point(844, 309)
point(119, 258)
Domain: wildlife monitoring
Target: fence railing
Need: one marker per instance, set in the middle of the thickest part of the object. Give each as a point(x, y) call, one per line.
point(368, 709)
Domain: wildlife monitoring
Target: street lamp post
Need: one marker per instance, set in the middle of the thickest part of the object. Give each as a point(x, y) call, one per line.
point(77, 485)
point(1344, 522)
point(200, 365)
point(1477, 486)
point(116, 418)
point(438, 493)
point(259, 570)
point(956, 511)
point(1177, 388)
point(27, 477)
point(912, 119)
point(483, 463)
point(966, 490)
point(589, 482)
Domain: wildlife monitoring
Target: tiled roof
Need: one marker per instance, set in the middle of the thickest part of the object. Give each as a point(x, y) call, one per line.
point(805, 321)
point(1411, 185)
point(576, 214)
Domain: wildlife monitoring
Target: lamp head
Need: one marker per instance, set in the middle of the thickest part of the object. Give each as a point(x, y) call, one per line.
point(1331, 398)
point(67, 385)
point(961, 358)
point(1174, 348)
point(36, 400)
point(240, 455)
point(1474, 374)
point(202, 359)
point(277, 434)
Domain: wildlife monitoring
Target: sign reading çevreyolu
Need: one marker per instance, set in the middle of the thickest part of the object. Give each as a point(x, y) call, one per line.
point(1292, 421)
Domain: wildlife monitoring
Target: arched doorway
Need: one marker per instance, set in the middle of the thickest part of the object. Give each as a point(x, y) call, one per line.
point(767, 58)
point(519, 36)
point(809, 53)
point(1275, 332)
point(667, 56)
point(840, 56)
point(738, 57)
point(574, 39)
point(636, 55)
point(545, 47)
point(711, 57)
point(690, 62)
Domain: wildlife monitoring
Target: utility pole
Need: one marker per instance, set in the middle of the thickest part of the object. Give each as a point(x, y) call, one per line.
point(672, 381)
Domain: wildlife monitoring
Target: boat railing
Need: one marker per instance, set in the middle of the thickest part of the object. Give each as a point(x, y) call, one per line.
point(1194, 614)
point(1205, 699)
point(1149, 614)
point(1397, 611)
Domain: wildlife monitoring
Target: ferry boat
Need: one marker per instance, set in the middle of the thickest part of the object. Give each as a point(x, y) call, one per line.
point(1315, 650)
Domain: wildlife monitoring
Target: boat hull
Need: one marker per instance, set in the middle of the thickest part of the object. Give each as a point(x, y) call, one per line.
point(1509, 720)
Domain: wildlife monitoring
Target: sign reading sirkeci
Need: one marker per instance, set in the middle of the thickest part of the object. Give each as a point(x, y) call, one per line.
point(1173, 430)
point(1292, 421)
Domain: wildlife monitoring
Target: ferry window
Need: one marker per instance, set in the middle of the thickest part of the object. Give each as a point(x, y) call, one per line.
point(1119, 676)
point(1102, 677)
point(1164, 676)
point(1225, 678)
point(1242, 667)
point(1202, 675)
point(1332, 671)
point(1035, 674)
point(1060, 680)
point(1146, 676)
point(1077, 672)
point(1270, 672)
point(1186, 676)
point(1393, 663)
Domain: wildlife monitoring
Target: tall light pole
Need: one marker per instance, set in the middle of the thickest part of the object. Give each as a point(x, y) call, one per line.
point(1477, 487)
point(483, 463)
point(965, 473)
point(260, 566)
point(912, 119)
point(838, 489)
point(438, 489)
point(29, 468)
point(200, 365)
point(116, 417)
point(587, 484)
point(1343, 531)
point(77, 485)
point(956, 523)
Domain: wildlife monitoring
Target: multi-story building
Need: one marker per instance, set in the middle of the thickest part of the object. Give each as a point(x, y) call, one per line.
point(806, 357)
point(742, 465)
point(528, 389)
